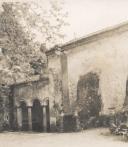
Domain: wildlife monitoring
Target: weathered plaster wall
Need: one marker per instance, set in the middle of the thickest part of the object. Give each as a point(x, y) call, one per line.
point(55, 85)
point(108, 58)
point(30, 91)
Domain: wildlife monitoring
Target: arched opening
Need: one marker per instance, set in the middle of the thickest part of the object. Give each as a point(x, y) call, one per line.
point(88, 97)
point(24, 111)
point(37, 116)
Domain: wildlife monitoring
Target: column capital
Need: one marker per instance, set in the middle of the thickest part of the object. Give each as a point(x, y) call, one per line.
point(29, 103)
point(17, 104)
point(29, 107)
point(44, 102)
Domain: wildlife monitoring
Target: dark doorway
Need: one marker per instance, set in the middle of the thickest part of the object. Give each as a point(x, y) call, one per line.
point(24, 116)
point(37, 116)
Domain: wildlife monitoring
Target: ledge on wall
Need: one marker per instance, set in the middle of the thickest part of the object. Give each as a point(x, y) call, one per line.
point(30, 80)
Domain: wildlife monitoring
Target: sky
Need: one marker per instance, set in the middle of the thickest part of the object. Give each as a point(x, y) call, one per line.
point(87, 16)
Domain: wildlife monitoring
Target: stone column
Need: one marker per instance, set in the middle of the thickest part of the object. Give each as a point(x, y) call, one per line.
point(77, 121)
point(30, 118)
point(19, 118)
point(44, 117)
point(62, 122)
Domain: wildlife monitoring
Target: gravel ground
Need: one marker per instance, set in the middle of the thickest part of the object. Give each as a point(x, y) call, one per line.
point(89, 138)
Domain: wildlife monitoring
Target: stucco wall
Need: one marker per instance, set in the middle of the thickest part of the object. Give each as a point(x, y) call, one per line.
point(108, 58)
point(30, 91)
point(55, 81)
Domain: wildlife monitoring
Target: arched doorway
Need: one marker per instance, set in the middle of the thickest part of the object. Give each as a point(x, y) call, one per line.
point(88, 97)
point(24, 111)
point(37, 116)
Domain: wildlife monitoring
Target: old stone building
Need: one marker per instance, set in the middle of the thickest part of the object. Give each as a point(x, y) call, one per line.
point(89, 75)
point(86, 77)
point(30, 105)
point(25, 106)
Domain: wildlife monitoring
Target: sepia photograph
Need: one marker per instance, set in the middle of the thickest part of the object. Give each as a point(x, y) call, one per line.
point(63, 73)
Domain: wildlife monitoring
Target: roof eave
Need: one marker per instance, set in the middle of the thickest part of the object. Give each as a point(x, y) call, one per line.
point(91, 37)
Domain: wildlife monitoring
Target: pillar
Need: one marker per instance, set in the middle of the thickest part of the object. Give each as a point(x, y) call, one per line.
point(19, 118)
point(65, 88)
point(48, 116)
point(62, 122)
point(44, 118)
point(30, 118)
point(77, 121)
point(14, 119)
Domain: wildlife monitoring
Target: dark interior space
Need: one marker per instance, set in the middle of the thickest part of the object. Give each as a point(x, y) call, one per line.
point(37, 116)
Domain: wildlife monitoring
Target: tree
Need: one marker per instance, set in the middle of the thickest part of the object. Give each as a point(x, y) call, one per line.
point(20, 24)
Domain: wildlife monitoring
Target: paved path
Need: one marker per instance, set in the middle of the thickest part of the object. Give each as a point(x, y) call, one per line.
point(88, 138)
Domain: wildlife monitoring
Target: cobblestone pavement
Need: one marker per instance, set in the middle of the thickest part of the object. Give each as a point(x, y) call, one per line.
point(88, 138)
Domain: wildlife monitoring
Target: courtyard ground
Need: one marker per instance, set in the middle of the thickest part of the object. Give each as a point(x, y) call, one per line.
point(88, 138)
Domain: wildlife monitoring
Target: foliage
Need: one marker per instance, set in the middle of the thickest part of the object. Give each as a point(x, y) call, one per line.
point(89, 99)
point(4, 105)
point(21, 27)
point(119, 124)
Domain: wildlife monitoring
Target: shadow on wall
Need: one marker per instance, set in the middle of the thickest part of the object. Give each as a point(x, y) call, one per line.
point(89, 101)
point(126, 97)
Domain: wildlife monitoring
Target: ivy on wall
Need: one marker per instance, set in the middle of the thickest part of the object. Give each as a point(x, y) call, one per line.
point(4, 107)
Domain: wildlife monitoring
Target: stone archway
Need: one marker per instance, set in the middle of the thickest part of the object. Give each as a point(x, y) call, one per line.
point(88, 97)
point(37, 116)
point(24, 116)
